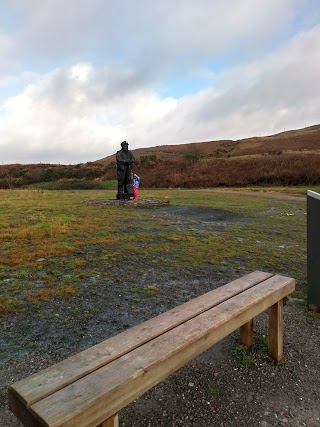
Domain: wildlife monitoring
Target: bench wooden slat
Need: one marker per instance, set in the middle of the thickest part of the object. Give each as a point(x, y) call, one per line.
point(95, 398)
point(52, 379)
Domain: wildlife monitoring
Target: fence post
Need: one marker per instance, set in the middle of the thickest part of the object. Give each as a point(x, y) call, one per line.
point(313, 249)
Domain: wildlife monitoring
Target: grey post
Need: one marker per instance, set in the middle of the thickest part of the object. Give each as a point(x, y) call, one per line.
point(313, 248)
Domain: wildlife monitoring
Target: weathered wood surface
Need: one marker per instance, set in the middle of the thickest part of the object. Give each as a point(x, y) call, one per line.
point(96, 397)
point(111, 422)
point(276, 331)
point(246, 334)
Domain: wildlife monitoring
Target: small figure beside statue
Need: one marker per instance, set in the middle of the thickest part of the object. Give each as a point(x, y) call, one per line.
point(128, 182)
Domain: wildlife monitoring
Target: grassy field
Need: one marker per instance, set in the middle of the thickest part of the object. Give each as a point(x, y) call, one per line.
point(51, 241)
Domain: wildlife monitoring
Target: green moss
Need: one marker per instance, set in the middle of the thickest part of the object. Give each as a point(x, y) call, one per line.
point(8, 305)
point(313, 314)
point(261, 345)
point(243, 356)
point(298, 295)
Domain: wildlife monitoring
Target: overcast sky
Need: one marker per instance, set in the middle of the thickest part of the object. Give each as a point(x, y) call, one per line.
point(77, 77)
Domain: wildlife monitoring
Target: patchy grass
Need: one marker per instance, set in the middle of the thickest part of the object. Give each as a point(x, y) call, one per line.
point(261, 345)
point(249, 356)
point(298, 295)
point(52, 241)
point(8, 305)
point(76, 184)
point(289, 190)
point(313, 314)
point(243, 356)
point(36, 224)
point(45, 294)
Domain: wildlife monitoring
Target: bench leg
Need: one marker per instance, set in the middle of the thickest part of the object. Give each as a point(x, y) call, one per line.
point(246, 334)
point(110, 422)
point(276, 331)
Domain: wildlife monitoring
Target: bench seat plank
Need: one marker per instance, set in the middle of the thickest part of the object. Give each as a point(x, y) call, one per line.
point(48, 381)
point(96, 397)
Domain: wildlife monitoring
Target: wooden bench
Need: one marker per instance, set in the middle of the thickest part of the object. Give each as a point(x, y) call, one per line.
point(90, 388)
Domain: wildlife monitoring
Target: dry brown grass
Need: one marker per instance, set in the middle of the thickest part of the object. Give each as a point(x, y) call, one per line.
point(288, 159)
point(45, 294)
point(271, 170)
point(36, 224)
point(293, 141)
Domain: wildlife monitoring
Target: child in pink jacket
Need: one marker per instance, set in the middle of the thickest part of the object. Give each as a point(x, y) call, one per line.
point(135, 183)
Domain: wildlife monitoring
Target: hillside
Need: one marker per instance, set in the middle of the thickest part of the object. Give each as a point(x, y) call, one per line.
point(306, 140)
point(287, 158)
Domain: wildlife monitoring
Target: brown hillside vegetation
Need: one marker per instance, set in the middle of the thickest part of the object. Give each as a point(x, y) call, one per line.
point(287, 158)
point(306, 140)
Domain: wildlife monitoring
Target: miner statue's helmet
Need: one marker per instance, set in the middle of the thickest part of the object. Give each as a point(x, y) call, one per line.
point(124, 144)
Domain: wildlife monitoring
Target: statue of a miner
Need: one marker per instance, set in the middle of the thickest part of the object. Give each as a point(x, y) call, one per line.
point(124, 159)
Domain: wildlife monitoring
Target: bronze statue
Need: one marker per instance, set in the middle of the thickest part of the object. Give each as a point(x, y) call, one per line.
point(124, 159)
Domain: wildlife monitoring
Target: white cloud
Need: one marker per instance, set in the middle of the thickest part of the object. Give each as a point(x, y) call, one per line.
point(60, 117)
point(263, 97)
point(89, 73)
point(162, 35)
point(5, 43)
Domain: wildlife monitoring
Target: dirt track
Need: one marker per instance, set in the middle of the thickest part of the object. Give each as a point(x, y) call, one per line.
point(280, 196)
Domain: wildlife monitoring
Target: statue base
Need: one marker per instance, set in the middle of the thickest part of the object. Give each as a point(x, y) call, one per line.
point(140, 202)
point(124, 196)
